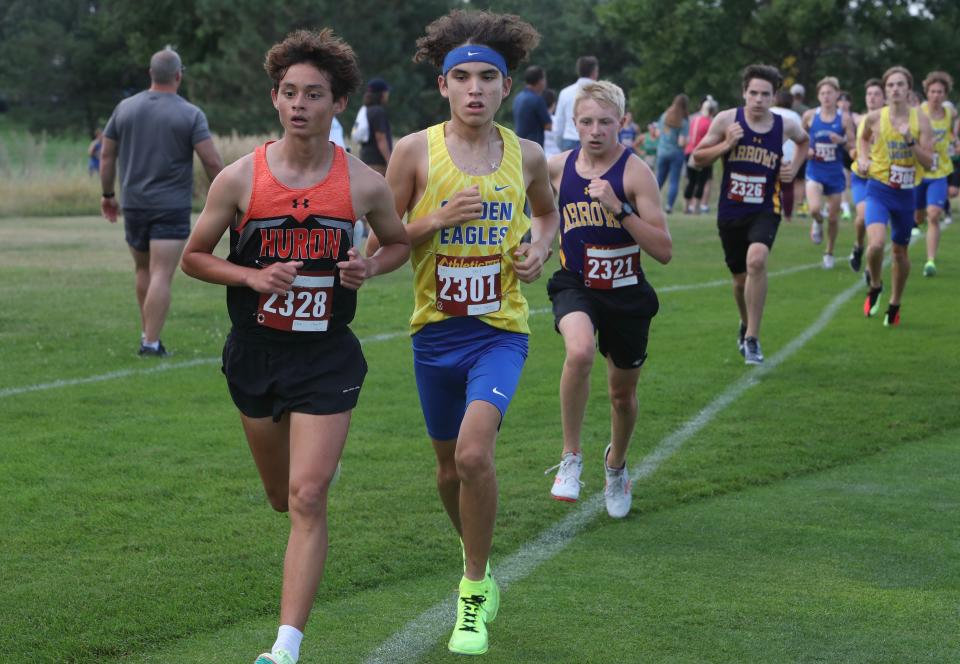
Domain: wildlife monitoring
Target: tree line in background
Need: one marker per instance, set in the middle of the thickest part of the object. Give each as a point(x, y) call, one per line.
point(64, 64)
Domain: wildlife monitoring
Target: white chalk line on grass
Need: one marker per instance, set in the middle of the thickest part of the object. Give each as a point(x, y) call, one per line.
point(386, 336)
point(419, 635)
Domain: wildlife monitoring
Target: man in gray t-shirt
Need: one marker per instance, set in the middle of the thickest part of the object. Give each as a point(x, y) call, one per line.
point(155, 134)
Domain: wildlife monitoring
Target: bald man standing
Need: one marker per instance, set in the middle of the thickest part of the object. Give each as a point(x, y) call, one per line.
point(154, 134)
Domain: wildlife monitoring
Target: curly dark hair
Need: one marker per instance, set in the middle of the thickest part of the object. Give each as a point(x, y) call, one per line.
point(766, 73)
point(322, 49)
point(507, 34)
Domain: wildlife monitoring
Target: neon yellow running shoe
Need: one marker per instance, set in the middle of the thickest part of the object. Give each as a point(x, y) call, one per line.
point(470, 633)
point(929, 269)
point(492, 605)
point(279, 657)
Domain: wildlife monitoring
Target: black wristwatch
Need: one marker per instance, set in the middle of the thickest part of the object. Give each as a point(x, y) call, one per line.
point(625, 212)
point(106, 195)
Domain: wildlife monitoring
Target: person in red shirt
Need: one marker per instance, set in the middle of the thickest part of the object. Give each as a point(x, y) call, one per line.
point(697, 192)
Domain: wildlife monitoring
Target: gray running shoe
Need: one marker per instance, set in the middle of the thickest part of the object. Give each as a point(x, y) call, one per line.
point(752, 354)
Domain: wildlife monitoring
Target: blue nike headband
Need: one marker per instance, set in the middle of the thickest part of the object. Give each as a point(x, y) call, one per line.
point(474, 53)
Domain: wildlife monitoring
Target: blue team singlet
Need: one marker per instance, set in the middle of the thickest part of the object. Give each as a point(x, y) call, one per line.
point(826, 166)
point(751, 172)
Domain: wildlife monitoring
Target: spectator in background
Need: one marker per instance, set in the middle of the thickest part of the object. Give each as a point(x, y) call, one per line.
point(93, 166)
point(154, 134)
point(336, 133)
point(629, 131)
point(673, 127)
point(551, 137)
point(800, 182)
point(781, 106)
point(649, 140)
point(696, 193)
point(588, 70)
point(797, 91)
point(530, 115)
point(375, 151)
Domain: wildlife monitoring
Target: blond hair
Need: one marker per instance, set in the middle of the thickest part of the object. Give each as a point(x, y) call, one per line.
point(828, 80)
point(602, 92)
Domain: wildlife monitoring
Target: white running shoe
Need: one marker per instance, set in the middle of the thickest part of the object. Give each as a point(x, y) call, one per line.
point(828, 261)
point(617, 493)
point(566, 486)
point(947, 220)
point(816, 232)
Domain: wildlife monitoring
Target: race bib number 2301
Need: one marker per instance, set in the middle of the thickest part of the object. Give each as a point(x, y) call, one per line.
point(468, 285)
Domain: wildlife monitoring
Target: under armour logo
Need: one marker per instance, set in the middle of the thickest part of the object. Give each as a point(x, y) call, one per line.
point(296, 203)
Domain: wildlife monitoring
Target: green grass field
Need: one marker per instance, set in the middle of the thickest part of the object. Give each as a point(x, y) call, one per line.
point(811, 519)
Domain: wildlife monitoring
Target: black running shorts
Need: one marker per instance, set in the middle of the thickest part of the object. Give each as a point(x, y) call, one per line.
point(141, 226)
point(320, 377)
point(737, 235)
point(621, 317)
point(953, 180)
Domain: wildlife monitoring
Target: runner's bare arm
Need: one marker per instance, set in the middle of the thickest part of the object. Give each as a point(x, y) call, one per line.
point(373, 199)
point(723, 134)
point(849, 133)
point(793, 131)
point(545, 220)
point(863, 143)
point(923, 147)
point(648, 227)
point(407, 164)
point(555, 168)
point(229, 192)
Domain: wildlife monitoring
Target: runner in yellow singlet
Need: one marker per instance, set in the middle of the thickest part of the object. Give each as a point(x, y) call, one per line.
point(462, 185)
point(932, 191)
point(904, 141)
point(874, 99)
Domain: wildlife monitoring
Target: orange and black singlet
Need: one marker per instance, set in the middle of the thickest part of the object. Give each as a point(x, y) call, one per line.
point(313, 225)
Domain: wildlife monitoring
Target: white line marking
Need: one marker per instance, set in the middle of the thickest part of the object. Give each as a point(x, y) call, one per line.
point(123, 373)
point(412, 641)
point(728, 282)
point(385, 336)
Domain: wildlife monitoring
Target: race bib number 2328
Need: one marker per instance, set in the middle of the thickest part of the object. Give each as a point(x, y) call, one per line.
point(306, 307)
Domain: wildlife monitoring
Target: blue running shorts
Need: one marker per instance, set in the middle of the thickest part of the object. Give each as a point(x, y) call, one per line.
point(833, 182)
point(460, 360)
point(932, 192)
point(886, 204)
point(858, 187)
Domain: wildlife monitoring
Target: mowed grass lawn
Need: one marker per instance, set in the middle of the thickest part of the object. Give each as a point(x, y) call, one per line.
point(812, 519)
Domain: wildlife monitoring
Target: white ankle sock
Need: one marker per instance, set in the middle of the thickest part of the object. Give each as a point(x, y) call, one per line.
point(289, 639)
point(154, 346)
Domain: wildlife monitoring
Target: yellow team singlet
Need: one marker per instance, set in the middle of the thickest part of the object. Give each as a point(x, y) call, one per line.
point(942, 137)
point(468, 270)
point(891, 160)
